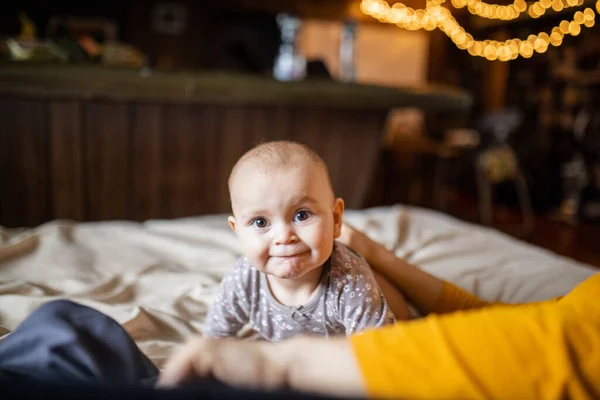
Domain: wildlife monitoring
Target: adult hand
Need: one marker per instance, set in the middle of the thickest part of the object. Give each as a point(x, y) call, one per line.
point(235, 362)
point(318, 365)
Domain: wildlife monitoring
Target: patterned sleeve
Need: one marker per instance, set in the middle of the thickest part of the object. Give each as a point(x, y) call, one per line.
point(360, 302)
point(230, 311)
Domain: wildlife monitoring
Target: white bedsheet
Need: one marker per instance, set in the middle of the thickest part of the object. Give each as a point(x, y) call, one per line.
point(158, 278)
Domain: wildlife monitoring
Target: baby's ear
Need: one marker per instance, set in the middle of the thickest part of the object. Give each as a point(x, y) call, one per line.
point(231, 220)
point(338, 213)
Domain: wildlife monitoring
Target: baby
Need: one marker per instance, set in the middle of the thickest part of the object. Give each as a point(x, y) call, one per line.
point(294, 278)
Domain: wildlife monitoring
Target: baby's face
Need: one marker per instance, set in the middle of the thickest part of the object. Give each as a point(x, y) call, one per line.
point(286, 219)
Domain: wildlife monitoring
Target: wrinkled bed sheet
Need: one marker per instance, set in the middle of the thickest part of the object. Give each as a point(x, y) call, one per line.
point(158, 278)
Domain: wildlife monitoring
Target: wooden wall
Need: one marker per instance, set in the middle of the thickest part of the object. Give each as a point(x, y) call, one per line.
point(103, 160)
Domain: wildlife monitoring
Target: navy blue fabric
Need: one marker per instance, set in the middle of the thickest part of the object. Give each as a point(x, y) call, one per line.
point(69, 351)
point(205, 390)
point(65, 341)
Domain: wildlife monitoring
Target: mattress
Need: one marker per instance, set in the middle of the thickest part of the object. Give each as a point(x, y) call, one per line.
point(159, 277)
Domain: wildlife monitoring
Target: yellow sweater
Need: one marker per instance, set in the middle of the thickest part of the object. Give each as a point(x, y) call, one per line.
point(546, 350)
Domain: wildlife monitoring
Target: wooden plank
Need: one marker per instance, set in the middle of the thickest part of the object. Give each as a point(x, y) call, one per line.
point(217, 88)
point(260, 130)
point(66, 161)
point(207, 120)
point(306, 128)
point(147, 147)
point(335, 127)
point(107, 161)
point(182, 177)
point(25, 196)
point(361, 143)
point(4, 161)
point(280, 123)
point(267, 123)
point(233, 129)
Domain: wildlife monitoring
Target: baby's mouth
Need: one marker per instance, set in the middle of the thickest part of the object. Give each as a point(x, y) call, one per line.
point(284, 256)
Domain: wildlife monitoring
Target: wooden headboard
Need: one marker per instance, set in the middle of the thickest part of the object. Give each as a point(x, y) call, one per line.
point(91, 146)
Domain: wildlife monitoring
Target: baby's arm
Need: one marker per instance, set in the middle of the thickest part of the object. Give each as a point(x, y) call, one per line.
point(360, 301)
point(367, 308)
point(230, 310)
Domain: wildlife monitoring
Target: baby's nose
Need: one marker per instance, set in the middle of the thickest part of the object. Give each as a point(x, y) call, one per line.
point(286, 235)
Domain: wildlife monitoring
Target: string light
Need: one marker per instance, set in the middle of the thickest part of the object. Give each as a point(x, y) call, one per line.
point(436, 16)
point(492, 11)
point(513, 11)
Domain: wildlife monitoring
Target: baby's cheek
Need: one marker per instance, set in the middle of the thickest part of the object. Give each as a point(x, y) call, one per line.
point(326, 249)
point(326, 231)
point(322, 243)
point(255, 251)
point(256, 260)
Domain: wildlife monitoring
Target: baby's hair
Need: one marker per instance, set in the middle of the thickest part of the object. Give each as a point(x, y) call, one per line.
point(278, 154)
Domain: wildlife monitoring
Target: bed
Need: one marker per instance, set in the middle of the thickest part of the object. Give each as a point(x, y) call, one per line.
point(157, 278)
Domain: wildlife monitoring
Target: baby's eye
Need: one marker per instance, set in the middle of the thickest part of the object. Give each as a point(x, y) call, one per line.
point(302, 216)
point(260, 223)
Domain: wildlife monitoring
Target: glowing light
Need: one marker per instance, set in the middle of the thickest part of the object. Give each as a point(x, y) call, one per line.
point(574, 28)
point(435, 16)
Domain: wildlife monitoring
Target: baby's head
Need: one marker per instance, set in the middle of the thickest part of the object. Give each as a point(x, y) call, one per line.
point(284, 209)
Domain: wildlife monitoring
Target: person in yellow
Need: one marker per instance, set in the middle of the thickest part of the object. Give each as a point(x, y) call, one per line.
point(465, 348)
